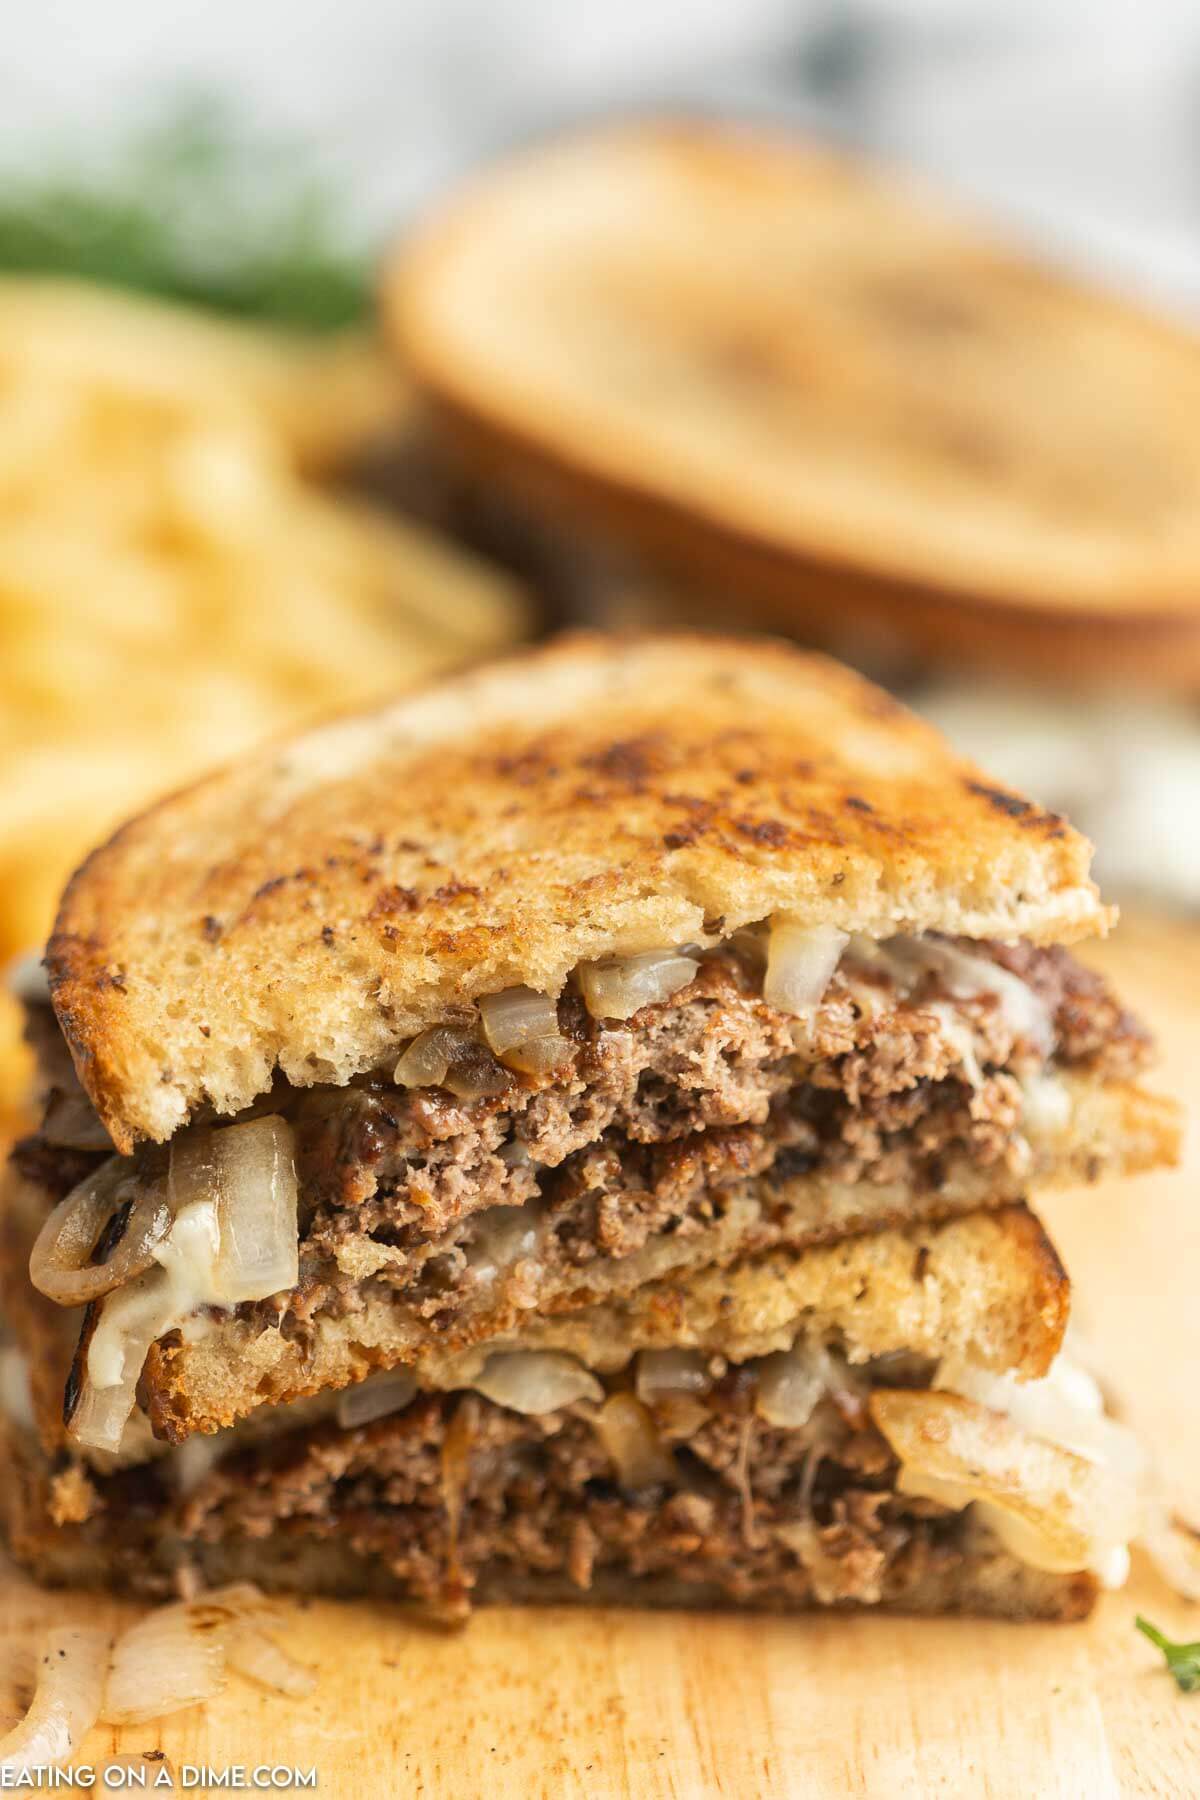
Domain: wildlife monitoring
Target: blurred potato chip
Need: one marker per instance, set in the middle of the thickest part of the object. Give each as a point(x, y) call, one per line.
point(174, 583)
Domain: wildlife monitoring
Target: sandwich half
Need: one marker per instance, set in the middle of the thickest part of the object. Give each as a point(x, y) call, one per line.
point(597, 968)
point(886, 1421)
point(764, 367)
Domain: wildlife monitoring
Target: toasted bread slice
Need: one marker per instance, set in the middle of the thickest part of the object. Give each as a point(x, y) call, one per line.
point(988, 1285)
point(776, 370)
point(311, 908)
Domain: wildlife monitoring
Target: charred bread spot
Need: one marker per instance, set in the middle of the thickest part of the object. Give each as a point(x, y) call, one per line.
point(270, 886)
point(390, 901)
point(211, 929)
point(630, 763)
point(771, 832)
point(455, 890)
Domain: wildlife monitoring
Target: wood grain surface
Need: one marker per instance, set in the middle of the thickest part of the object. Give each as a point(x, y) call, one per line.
point(612, 1703)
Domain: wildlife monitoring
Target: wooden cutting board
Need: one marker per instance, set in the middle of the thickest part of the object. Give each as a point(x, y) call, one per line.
point(606, 1704)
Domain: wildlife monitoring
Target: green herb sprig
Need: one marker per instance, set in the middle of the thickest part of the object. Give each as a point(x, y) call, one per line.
point(1183, 1660)
point(196, 209)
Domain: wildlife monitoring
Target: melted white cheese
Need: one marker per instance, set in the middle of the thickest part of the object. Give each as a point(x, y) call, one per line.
point(161, 1299)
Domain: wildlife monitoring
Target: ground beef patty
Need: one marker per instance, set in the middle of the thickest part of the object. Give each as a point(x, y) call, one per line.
point(657, 1118)
point(456, 1493)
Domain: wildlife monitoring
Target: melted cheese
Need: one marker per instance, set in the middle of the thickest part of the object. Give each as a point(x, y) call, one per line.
point(162, 1298)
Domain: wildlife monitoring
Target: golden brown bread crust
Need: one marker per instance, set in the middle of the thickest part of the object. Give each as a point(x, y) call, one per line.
point(315, 905)
point(863, 410)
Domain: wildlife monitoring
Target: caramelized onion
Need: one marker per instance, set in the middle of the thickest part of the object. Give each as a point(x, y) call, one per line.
point(521, 1026)
point(618, 987)
point(175, 1657)
point(388, 1392)
point(801, 960)
point(536, 1381)
point(60, 1265)
point(1064, 1407)
point(627, 1432)
point(445, 1056)
point(663, 1374)
point(259, 1658)
point(426, 1060)
point(247, 1172)
point(790, 1384)
point(476, 1075)
point(1050, 1507)
point(65, 1705)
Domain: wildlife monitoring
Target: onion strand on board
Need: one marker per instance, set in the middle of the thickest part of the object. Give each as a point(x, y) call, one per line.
point(66, 1702)
point(250, 1652)
point(177, 1656)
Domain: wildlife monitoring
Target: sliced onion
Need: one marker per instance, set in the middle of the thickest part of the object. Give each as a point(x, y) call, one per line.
point(388, 1392)
point(248, 1172)
point(60, 1264)
point(750, 943)
point(1052, 1508)
point(618, 987)
point(1064, 1407)
point(130, 1321)
point(66, 1702)
point(906, 959)
point(259, 1658)
point(791, 1383)
point(501, 1235)
point(536, 1381)
point(1173, 1546)
point(476, 1075)
point(175, 1657)
point(521, 1026)
point(666, 1374)
point(801, 960)
point(70, 1122)
point(627, 1432)
point(427, 1059)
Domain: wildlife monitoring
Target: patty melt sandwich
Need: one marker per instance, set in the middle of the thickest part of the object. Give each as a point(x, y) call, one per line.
point(568, 1133)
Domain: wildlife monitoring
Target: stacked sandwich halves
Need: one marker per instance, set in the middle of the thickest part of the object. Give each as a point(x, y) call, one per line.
point(569, 1135)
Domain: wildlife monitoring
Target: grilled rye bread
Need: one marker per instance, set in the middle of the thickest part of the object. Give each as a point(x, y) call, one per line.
point(790, 379)
point(612, 962)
